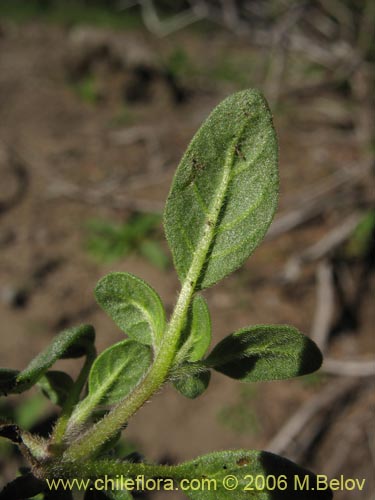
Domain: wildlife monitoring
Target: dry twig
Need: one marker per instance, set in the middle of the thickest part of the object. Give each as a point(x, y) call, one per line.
point(336, 237)
point(316, 200)
point(364, 368)
point(324, 305)
point(316, 405)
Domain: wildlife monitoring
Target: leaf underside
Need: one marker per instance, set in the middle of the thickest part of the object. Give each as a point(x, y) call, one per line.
point(242, 464)
point(133, 305)
point(232, 160)
point(196, 339)
point(265, 352)
point(70, 343)
point(117, 370)
point(196, 336)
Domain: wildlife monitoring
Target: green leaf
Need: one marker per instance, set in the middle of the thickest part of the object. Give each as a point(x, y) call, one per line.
point(249, 469)
point(70, 343)
point(189, 378)
point(116, 371)
point(193, 386)
point(225, 190)
point(56, 386)
point(265, 352)
point(196, 337)
point(133, 305)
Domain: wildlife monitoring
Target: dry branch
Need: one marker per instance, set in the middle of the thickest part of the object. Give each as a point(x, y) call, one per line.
point(336, 237)
point(364, 368)
point(317, 406)
point(174, 23)
point(325, 299)
point(319, 198)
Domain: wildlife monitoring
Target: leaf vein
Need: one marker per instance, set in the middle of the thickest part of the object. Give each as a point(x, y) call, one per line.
point(248, 165)
point(148, 318)
point(185, 236)
point(231, 250)
point(200, 199)
point(245, 215)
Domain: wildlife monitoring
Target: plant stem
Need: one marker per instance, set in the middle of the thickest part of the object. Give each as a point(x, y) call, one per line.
point(113, 468)
point(107, 427)
point(113, 421)
point(73, 397)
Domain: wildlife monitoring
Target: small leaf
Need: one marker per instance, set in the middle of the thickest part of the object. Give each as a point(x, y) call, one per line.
point(242, 468)
point(70, 343)
point(133, 305)
point(56, 386)
point(193, 386)
point(224, 193)
point(197, 334)
point(265, 352)
point(116, 371)
point(189, 378)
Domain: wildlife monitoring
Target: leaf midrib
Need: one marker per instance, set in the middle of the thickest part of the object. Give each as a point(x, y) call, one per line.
point(146, 315)
point(107, 385)
point(214, 210)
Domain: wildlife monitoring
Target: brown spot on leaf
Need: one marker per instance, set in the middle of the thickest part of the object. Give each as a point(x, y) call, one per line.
point(239, 152)
point(243, 461)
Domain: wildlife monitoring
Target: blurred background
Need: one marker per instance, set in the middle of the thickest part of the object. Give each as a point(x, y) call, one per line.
point(98, 101)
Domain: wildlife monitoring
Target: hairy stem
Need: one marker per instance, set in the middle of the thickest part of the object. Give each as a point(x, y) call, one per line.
point(113, 421)
point(112, 468)
point(107, 427)
point(73, 397)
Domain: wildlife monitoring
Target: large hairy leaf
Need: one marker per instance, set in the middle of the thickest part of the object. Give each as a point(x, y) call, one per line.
point(265, 352)
point(70, 343)
point(225, 190)
point(249, 475)
point(116, 371)
point(133, 305)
